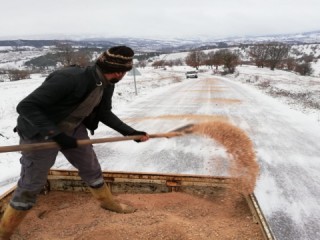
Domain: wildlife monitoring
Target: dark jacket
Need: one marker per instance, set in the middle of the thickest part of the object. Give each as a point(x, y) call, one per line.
point(58, 96)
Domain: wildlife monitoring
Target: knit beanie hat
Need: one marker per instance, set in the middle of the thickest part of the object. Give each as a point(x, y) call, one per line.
point(116, 59)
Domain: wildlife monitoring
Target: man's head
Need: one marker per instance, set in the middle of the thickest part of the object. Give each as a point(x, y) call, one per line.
point(115, 62)
point(116, 59)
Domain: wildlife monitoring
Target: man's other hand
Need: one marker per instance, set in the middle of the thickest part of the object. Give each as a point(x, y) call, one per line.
point(144, 136)
point(65, 141)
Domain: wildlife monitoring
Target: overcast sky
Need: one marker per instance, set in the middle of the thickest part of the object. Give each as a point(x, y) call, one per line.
point(156, 19)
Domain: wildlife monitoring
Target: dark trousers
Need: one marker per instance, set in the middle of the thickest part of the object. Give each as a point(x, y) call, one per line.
point(35, 166)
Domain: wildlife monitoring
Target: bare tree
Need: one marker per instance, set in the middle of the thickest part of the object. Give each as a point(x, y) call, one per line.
point(141, 63)
point(304, 69)
point(259, 54)
point(65, 53)
point(81, 58)
point(15, 74)
point(68, 55)
point(307, 58)
point(157, 64)
point(178, 62)
point(270, 54)
point(216, 58)
point(195, 59)
point(290, 63)
point(277, 52)
point(230, 60)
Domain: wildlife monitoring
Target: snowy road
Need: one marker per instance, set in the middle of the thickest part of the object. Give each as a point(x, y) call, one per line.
point(287, 145)
point(286, 142)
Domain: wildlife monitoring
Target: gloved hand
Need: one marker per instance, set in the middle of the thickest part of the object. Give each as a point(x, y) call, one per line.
point(144, 138)
point(65, 141)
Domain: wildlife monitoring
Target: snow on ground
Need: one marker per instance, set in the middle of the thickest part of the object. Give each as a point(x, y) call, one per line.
point(16, 59)
point(299, 92)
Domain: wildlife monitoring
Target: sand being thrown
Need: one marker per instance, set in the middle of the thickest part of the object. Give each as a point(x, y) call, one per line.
point(244, 167)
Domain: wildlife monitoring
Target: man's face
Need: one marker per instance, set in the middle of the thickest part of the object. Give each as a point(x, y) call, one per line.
point(114, 77)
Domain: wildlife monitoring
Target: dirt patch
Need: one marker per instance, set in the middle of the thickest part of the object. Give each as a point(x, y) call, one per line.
point(208, 90)
point(218, 100)
point(211, 86)
point(70, 215)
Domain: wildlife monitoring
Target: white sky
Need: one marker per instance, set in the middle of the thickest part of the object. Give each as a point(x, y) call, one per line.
point(166, 18)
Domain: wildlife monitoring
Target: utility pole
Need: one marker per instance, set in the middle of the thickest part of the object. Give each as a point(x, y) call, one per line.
point(134, 79)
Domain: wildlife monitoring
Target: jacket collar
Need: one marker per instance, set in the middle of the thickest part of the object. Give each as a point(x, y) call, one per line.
point(101, 79)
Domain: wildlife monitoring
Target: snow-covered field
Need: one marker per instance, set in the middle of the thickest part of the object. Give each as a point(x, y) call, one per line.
point(299, 92)
point(15, 59)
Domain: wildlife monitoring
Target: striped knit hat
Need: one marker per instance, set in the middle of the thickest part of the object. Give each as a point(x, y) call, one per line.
point(116, 59)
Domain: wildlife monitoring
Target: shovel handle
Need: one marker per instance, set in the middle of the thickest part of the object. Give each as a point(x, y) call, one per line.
point(48, 145)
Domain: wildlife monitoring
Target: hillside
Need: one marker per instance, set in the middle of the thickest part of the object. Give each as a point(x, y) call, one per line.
point(167, 44)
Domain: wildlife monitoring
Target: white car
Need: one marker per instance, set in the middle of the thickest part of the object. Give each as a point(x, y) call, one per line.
point(192, 74)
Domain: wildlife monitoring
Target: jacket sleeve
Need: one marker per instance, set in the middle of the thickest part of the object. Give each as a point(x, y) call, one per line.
point(33, 108)
point(107, 117)
point(116, 124)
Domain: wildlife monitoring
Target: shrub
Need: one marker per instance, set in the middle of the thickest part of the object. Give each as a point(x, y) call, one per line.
point(16, 74)
point(304, 69)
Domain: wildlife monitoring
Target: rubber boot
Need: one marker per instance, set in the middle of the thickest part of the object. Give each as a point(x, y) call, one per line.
point(10, 221)
point(103, 194)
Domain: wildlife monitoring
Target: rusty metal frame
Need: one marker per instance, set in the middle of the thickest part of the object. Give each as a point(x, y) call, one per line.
point(258, 217)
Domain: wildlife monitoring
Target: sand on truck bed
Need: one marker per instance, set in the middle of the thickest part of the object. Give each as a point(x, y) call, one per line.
point(176, 215)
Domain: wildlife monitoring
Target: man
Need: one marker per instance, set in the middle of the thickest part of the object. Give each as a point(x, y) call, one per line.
point(69, 102)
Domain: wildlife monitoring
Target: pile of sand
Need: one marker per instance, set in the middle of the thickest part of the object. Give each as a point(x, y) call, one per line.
point(162, 216)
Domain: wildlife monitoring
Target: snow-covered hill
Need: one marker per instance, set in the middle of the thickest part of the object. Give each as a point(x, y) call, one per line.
point(167, 44)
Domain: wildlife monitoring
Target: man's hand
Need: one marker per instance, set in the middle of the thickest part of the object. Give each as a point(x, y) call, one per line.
point(65, 141)
point(144, 136)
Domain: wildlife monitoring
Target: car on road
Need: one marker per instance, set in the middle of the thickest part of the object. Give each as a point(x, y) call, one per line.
point(192, 74)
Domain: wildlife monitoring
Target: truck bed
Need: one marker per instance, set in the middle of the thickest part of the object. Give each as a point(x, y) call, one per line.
point(169, 207)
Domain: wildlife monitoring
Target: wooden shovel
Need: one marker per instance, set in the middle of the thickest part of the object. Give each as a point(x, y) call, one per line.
point(47, 145)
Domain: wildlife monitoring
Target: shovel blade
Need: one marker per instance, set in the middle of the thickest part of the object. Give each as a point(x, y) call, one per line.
point(184, 129)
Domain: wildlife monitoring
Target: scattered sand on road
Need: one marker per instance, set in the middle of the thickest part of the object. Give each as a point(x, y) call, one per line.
point(218, 100)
